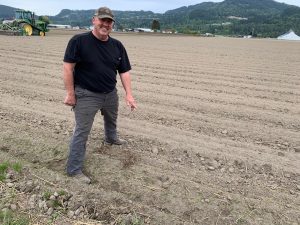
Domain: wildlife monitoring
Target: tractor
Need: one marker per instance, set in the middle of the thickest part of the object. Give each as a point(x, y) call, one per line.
point(25, 24)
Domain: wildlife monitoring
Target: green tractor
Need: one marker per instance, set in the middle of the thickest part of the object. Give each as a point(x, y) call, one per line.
point(29, 25)
point(25, 24)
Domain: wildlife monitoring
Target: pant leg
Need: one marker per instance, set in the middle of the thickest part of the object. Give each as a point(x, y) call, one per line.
point(85, 111)
point(110, 115)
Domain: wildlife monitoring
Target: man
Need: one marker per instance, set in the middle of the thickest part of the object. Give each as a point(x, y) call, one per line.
point(91, 63)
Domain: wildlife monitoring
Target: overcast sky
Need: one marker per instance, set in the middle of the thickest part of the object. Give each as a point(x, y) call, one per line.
point(53, 7)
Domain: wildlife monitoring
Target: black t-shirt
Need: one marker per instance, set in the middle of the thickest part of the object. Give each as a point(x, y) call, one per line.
point(97, 62)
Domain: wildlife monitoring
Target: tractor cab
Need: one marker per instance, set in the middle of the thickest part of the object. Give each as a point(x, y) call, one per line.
point(26, 16)
point(22, 15)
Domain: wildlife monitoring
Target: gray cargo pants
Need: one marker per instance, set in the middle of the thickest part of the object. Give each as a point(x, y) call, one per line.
point(87, 105)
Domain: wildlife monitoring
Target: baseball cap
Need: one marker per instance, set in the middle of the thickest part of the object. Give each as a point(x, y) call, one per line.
point(104, 12)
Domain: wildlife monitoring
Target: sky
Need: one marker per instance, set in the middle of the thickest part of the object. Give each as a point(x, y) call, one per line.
point(53, 7)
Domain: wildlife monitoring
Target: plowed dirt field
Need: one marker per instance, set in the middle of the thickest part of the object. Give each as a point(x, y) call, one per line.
point(215, 139)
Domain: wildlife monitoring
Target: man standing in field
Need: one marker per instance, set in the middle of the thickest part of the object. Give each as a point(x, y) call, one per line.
point(91, 63)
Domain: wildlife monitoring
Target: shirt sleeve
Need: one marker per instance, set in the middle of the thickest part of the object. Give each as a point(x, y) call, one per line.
point(72, 51)
point(124, 62)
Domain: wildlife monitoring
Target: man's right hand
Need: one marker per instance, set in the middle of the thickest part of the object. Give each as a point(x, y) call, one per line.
point(70, 100)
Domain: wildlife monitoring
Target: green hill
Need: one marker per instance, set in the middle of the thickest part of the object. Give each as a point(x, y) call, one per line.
point(236, 17)
point(7, 12)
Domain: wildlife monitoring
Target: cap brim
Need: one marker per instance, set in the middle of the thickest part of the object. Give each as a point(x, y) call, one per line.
point(105, 17)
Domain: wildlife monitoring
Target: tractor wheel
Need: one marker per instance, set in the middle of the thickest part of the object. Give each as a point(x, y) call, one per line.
point(42, 34)
point(26, 28)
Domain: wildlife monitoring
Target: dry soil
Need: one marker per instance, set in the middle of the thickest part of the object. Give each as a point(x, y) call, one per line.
point(215, 139)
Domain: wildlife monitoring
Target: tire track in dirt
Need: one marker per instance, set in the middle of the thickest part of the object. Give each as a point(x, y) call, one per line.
point(223, 109)
point(202, 138)
point(208, 95)
point(209, 145)
point(254, 75)
point(239, 131)
point(202, 82)
point(186, 181)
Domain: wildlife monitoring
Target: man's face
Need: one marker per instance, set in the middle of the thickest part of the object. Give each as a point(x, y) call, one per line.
point(102, 26)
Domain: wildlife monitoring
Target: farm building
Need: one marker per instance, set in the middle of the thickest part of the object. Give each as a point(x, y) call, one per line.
point(290, 35)
point(59, 26)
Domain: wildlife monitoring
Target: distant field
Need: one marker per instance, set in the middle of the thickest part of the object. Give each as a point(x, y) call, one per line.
point(215, 139)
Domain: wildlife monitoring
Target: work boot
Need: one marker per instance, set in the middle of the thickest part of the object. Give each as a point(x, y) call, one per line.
point(82, 178)
point(117, 141)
